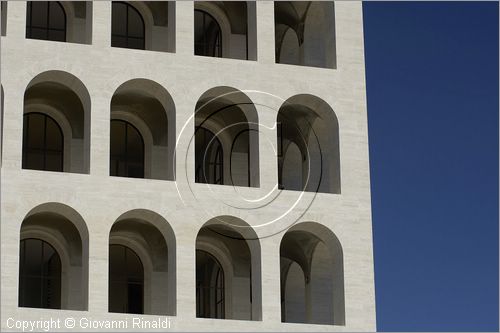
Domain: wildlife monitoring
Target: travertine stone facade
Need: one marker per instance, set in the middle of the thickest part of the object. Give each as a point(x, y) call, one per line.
point(93, 201)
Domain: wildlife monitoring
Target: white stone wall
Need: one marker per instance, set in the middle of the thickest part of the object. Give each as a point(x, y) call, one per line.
point(101, 199)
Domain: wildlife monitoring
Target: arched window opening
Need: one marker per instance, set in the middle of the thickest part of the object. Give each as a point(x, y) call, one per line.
point(312, 276)
point(39, 275)
point(207, 35)
point(142, 276)
point(42, 143)
point(65, 134)
point(308, 146)
point(240, 159)
point(305, 33)
point(144, 25)
point(46, 20)
point(53, 258)
point(126, 281)
point(228, 279)
point(294, 152)
point(290, 169)
point(209, 286)
point(126, 150)
point(225, 29)
point(127, 27)
point(150, 110)
point(231, 156)
point(293, 289)
point(209, 159)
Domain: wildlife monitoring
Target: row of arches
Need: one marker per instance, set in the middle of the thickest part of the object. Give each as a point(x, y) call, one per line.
point(304, 30)
point(53, 267)
point(56, 134)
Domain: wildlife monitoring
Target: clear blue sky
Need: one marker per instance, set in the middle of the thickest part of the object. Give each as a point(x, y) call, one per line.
point(432, 89)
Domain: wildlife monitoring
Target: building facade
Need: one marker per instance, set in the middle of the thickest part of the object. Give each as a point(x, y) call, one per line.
point(198, 164)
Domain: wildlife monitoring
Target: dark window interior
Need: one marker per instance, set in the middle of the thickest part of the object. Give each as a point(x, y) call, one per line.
point(208, 157)
point(279, 131)
point(207, 35)
point(46, 20)
point(42, 143)
point(126, 281)
point(39, 275)
point(209, 286)
point(127, 27)
point(127, 150)
point(241, 142)
point(3, 8)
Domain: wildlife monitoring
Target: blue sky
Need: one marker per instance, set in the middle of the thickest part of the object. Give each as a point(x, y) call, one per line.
point(432, 90)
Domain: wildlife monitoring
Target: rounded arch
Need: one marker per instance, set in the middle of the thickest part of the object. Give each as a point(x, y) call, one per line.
point(50, 152)
point(139, 247)
point(228, 96)
point(319, 35)
point(158, 222)
point(150, 108)
point(311, 124)
point(65, 98)
point(69, 12)
point(291, 175)
point(37, 106)
point(237, 26)
point(64, 229)
point(226, 112)
point(39, 268)
point(208, 36)
point(293, 290)
point(139, 124)
point(147, 19)
point(127, 151)
point(143, 10)
point(235, 245)
point(314, 25)
point(127, 275)
point(67, 79)
point(158, 21)
point(288, 48)
point(220, 17)
point(209, 276)
point(210, 168)
point(56, 25)
point(59, 244)
point(288, 32)
point(151, 89)
point(220, 253)
point(152, 238)
point(66, 211)
point(318, 252)
point(73, 29)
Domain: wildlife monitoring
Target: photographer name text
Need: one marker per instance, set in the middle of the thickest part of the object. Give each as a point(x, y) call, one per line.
point(50, 324)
